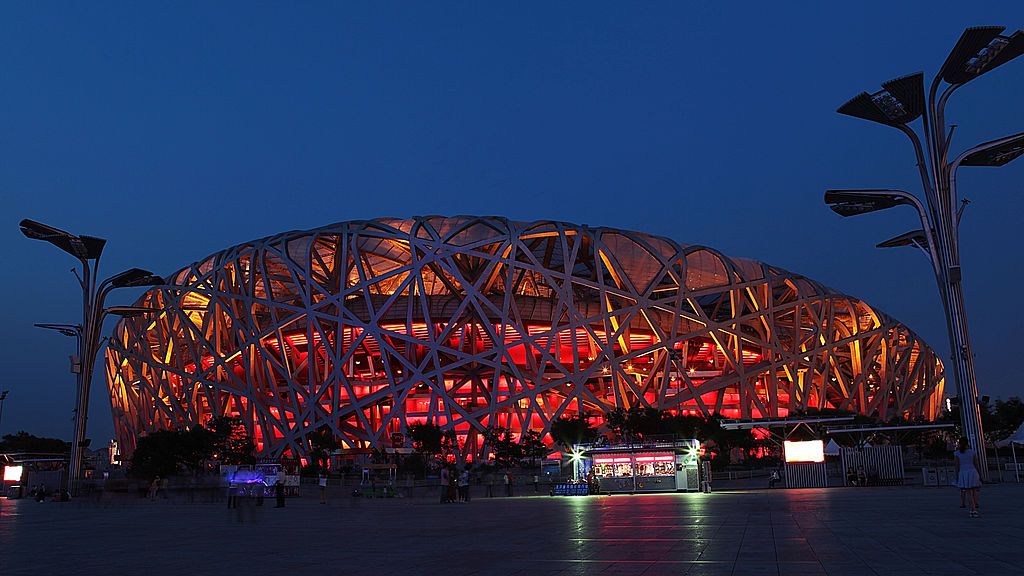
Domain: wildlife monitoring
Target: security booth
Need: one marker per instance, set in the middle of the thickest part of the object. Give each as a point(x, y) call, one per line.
point(660, 466)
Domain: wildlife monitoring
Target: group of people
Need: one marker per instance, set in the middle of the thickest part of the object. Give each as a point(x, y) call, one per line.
point(155, 487)
point(454, 484)
point(858, 477)
point(38, 493)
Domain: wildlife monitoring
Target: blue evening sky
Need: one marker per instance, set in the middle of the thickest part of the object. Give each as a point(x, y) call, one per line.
point(175, 129)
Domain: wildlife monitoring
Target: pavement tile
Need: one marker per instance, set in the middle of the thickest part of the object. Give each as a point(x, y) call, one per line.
point(866, 532)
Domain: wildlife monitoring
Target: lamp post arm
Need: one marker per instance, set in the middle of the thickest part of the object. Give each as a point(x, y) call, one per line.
point(940, 111)
point(933, 248)
point(922, 168)
point(932, 128)
point(926, 215)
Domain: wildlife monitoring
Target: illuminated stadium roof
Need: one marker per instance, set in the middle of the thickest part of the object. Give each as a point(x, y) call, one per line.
point(472, 322)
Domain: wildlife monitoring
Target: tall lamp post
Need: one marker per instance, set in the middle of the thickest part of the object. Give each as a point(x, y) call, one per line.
point(899, 103)
point(3, 396)
point(88, 250)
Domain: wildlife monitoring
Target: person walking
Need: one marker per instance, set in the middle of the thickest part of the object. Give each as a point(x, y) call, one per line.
point(508, 483)
point(464, 486)
point(967, 478)
point(279, 493)
point(536, 484)
point(154, 487)
point(444, 484)
point(453, 485)
point(323, 488)
point(232, 492)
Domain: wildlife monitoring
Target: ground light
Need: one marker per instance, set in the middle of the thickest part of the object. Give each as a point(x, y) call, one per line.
point(576, 457)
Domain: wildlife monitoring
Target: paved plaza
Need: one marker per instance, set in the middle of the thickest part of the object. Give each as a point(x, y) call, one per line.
point(900, 530)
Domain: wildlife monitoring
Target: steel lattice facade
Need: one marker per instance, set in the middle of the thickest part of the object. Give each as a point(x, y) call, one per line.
point(368, 326)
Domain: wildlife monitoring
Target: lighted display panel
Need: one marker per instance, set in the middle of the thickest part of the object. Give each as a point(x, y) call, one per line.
point(655, 464)
point(809, 451)
point(12, 473)
point(369, 326)
point(613, 466)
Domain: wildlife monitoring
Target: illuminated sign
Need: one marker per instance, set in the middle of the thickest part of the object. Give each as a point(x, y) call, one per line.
point(810, 451)
point(656, 458)
point(571, 490)
point(12, 473)
point(610, 460)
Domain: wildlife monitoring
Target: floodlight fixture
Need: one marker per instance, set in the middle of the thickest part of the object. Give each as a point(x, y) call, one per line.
point(134, 277)
point(913, 238)
point(979, 50)
point(995, 153)
point(900, 102)
point(65, 329)
point(81, 247)
point(855, 202)
point(130, 311)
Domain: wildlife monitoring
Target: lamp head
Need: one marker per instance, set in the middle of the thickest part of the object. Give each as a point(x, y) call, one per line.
point(856, 202)
point(81, 247)
point(130, 311)
point(901, 101)
point(996, 153)
point(979, 50)
point(134, 277)
point(912, 238)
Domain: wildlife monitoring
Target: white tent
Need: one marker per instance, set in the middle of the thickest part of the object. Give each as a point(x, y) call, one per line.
point(832, 449)
point(1015, 438)
point(1012, 440)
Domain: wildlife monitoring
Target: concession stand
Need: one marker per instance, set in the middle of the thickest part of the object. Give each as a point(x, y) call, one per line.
point(659, 466)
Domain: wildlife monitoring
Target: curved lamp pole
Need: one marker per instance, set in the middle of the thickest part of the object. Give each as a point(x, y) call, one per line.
point(3, 396)
point(88, 250)
point(899, 103)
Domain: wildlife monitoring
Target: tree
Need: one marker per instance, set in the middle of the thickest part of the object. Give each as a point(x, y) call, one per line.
point(168, 452)
point(322, 444)
point(568, 431)
point(723, 441)
point(156, 454)
point(507, 452)
point(233, 443)
point(1007, 416)
point(25, 442)
point(639, 422)
point(426, 438)
point(531, 447)
point(682, 426)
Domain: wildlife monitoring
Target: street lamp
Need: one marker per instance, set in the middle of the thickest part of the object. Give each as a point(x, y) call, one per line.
point(902, 101)
point(3, 396)
point(855, 202)
point(87, 249)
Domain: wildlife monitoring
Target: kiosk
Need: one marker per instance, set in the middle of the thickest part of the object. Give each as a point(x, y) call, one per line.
point(650, 466)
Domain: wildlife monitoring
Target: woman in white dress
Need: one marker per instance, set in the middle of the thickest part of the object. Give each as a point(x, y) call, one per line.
point(967, 477)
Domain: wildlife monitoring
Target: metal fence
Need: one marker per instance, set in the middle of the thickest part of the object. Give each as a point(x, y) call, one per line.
point(873, 465)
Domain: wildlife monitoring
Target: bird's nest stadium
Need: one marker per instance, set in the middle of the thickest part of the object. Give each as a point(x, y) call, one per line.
point(474, 322)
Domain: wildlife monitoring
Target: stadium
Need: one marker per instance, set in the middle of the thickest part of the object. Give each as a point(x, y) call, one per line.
point(473, 322)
